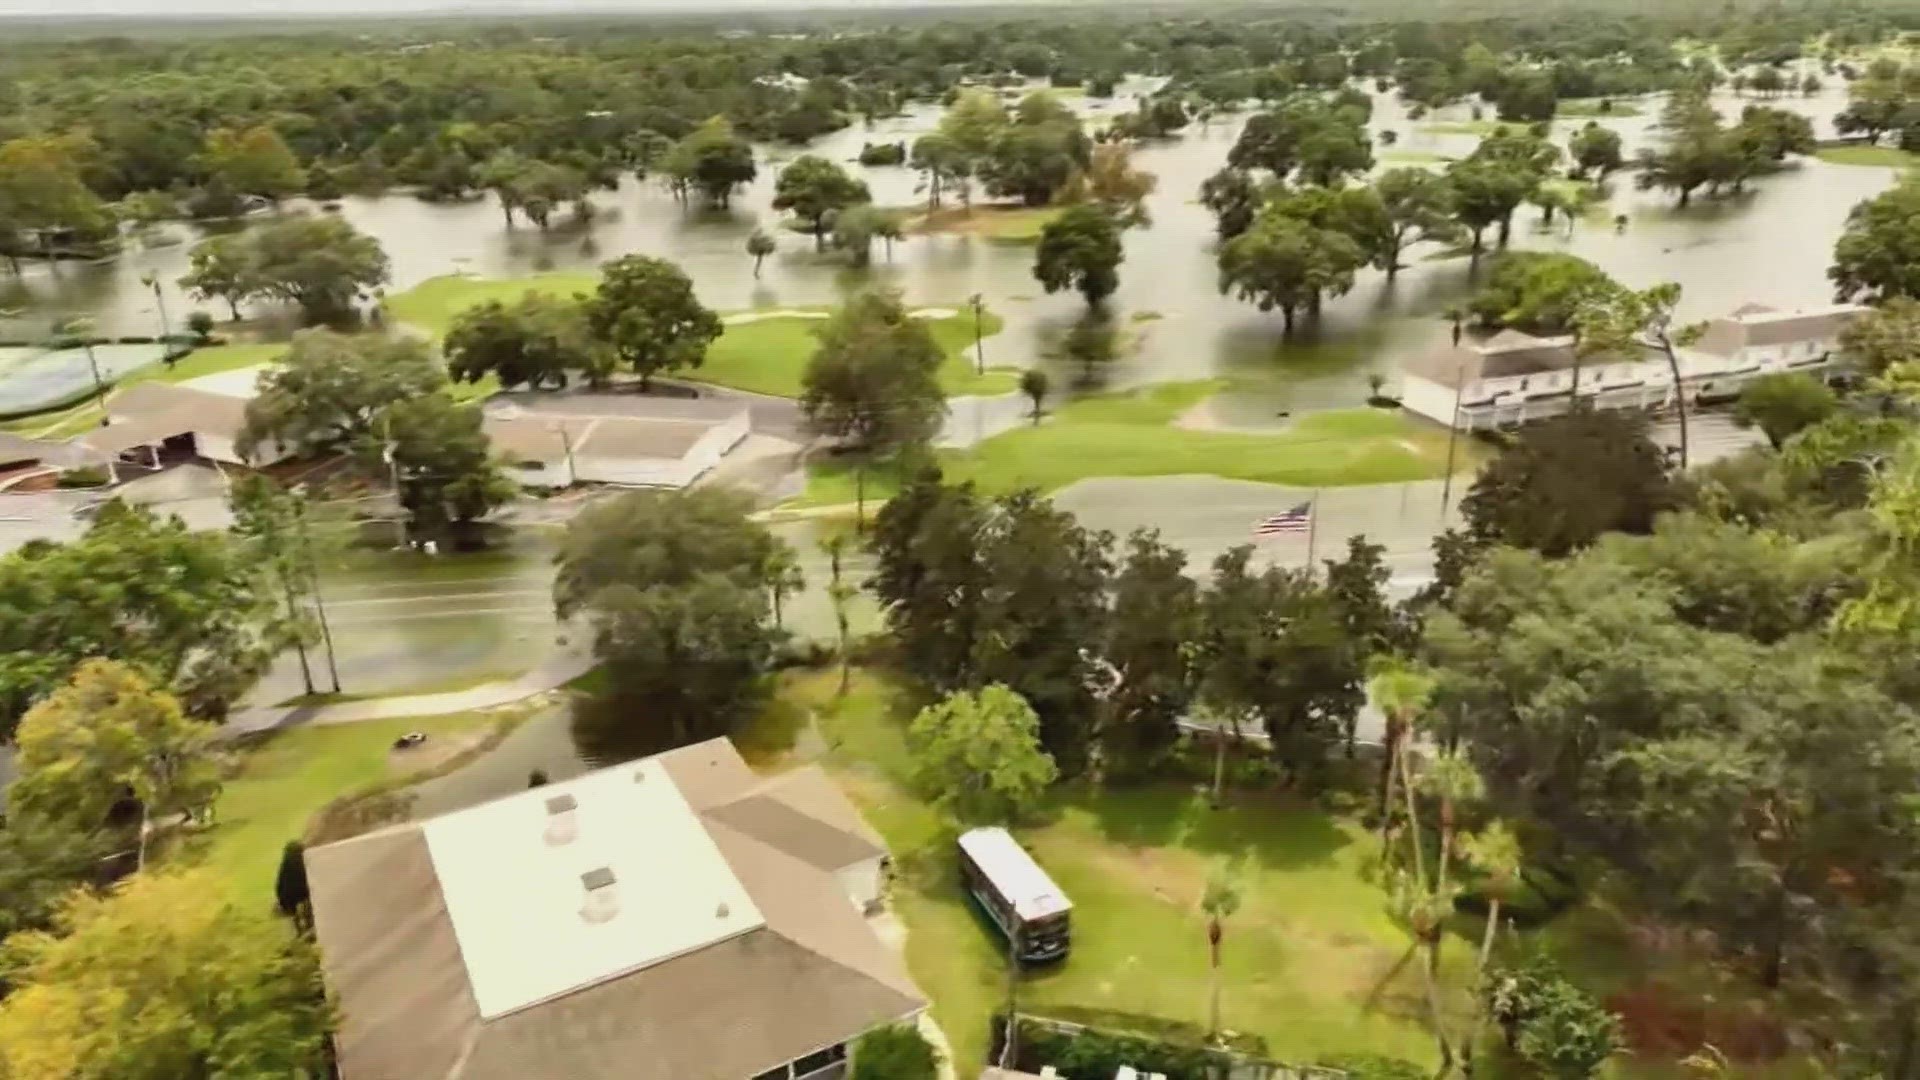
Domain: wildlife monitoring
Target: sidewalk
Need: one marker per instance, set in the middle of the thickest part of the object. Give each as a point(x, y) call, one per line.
point(558, 669)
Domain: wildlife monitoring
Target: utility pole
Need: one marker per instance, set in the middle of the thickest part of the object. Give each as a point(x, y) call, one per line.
point(152, 281)
point(313, 586)
point(559, 427)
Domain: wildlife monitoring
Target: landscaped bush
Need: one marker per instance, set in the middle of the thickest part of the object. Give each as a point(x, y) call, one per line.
point(1087, 1053)
point(1376, 1067)
point(1541, 894)
point(883, 153)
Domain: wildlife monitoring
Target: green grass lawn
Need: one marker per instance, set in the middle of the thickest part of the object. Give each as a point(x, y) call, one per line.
point(76, 419)
point(1411, 157)
point(1467, 127)
point(1595, 109)
point(284, 780)
point(1132, 434)
point(765, 356)
point(1887, 157)
point(1309, 960)
point(1008, 224)
point(768, 356)
point(432, 304)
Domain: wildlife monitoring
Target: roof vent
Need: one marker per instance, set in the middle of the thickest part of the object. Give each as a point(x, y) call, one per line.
point(563, 824)
point(721, 912)
point(602, 901)
point(639, 776)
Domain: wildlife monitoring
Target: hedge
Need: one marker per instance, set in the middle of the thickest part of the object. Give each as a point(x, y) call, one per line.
point(1087, 1053)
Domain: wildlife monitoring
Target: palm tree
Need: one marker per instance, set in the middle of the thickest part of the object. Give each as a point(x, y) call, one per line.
point(1219, 902)
point(1034, 384)
point(783, 579)
point(759, 245)
point(1451, 779)
point(1496, 852)
point(1424, 913)
point(1400, 691)
point(840, 594)
point(889, 225)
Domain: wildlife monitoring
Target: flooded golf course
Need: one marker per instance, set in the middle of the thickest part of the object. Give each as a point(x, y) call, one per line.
point(464, 622)
point(1771, 244)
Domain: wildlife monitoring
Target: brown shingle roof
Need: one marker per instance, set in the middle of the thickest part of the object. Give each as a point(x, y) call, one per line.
point(391, 957)
point(197, 410)
point(15, 449)
point(814, 975)
point(775, 822)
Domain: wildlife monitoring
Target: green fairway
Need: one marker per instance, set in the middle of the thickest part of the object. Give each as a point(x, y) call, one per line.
point(432, 304)
point(1886, 157)
point(763, 356)
point(1594, 109)
point(73, 420)
point(1133, 434)
point(1410, 157)
point(1008, 224)
point(1468, 127)
point(284, 780)
point(768, 356)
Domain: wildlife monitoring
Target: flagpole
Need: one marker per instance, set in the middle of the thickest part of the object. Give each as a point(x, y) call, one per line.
point(1313, 528)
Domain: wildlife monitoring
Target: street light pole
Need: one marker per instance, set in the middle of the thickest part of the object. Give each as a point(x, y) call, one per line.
point(393, 477)
point(1453, 439)
point(313, 586)
point(979, 350)
point(152, 281)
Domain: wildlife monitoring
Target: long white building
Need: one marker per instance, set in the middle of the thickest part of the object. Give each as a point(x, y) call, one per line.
point(1512, 378)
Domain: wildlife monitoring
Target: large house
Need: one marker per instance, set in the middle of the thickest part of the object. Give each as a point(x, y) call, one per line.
point(675, 918)
point(1511, 377)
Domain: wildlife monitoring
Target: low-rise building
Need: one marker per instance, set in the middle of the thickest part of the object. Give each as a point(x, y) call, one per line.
point(1512, 377)
point(677, 918)
point(614, 439)
point(150, 422)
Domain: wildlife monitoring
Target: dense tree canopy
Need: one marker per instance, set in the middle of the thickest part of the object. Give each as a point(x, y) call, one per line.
point(328, 394)
point(674, 585)
point(645, 312)
point(167, 977)
point(191, 609)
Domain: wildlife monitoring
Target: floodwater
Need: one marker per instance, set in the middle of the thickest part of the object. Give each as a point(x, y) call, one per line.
point(1772, 245)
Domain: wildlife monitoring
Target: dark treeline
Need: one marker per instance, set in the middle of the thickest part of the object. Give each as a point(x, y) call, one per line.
point(429, 108)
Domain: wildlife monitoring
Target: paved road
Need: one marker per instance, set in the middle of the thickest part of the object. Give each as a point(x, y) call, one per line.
point(560, 667)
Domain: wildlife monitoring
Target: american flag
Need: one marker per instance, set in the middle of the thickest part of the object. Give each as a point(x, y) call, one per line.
point(1297, 520)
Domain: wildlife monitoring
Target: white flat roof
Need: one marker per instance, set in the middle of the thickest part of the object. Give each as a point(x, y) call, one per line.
point(1027, 887)
point(515, 899)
